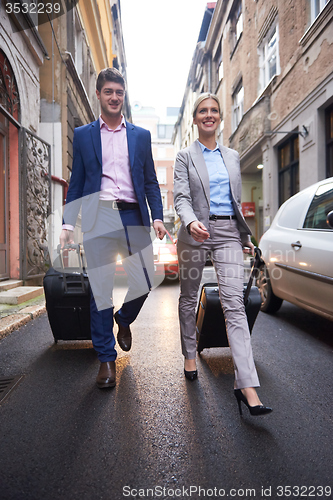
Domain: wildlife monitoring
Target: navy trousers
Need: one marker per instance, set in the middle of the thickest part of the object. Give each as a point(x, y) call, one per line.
point(116, 232)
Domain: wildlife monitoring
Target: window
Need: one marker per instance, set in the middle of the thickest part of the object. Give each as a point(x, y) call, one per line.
point(161, 153)
point(9, 96)
point(219, 64)
point(269, 62)
point(239, 21)
point(78, 45)
point(288, 155)
point(237, 105)
point(321, 205)
point(26, 13)
point(164, 131)
point(220, 70)
point(316, 7)
point(33, 13)
point(329, 142)
point(161, 131)
point(164, 196)
point(161, 175)
point(236, 19)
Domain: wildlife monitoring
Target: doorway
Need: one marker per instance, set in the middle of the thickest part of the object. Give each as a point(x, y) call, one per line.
point(4, 217)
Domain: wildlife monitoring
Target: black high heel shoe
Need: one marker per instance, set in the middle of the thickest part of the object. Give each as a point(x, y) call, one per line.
point(254, 410)
point(191, 375)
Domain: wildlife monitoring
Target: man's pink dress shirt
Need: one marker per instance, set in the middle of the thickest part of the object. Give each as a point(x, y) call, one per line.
point(116, 170)
point(116, 181)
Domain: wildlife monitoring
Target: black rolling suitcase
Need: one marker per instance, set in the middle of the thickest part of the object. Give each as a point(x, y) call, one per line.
point(210, 326)
point(67, 296)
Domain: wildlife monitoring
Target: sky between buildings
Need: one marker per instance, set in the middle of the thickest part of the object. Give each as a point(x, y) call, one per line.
point(160, 37)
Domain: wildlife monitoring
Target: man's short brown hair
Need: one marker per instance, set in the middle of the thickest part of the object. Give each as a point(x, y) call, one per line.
point(109, 75)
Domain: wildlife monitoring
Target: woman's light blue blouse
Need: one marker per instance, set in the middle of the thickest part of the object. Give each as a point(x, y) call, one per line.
point(220, 195)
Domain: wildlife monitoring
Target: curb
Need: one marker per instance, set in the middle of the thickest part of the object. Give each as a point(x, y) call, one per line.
point(14, 321)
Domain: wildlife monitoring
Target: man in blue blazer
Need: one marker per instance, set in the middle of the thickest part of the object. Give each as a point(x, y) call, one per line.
point(113, 178)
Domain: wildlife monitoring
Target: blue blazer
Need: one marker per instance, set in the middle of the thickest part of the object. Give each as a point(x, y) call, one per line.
point(85, 182)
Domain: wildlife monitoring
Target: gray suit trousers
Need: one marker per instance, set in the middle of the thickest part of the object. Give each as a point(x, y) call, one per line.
point(225, 248)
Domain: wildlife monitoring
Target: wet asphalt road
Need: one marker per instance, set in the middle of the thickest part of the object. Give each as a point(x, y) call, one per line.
point(156, 435)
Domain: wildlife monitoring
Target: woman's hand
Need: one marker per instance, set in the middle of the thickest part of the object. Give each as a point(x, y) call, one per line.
point(248, 247)
point(198, 231)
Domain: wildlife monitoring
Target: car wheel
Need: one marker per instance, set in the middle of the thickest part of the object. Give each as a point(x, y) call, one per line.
point(270, 303)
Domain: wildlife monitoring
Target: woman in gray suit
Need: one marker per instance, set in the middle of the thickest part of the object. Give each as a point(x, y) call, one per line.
point(207, 193)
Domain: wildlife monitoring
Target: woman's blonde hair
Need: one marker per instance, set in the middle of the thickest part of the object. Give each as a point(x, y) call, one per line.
point(202, 97)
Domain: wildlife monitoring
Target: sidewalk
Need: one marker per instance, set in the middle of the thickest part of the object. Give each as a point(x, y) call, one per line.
point(13, 317)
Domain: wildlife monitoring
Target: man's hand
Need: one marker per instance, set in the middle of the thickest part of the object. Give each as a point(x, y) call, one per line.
point(159, 228)
point(66, 238)
point(198, 231)
point(248, 247)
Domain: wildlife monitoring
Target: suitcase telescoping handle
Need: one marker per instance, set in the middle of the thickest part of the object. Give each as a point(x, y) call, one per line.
point(257, 264)
point(81, 267)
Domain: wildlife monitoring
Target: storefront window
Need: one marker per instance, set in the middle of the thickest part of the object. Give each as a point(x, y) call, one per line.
point(329, 142)
point(288, 169)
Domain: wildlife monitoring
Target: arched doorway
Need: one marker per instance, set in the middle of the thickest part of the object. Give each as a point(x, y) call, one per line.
point(9, 108)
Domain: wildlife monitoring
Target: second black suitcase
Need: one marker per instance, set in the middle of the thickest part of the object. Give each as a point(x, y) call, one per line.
point(67, 297)
point(210, 326)
point(211, 329)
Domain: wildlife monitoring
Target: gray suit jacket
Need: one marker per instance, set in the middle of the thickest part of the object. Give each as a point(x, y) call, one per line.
point(192, 193)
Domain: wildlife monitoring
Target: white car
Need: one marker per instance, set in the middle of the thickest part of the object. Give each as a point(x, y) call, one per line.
point(297, 251)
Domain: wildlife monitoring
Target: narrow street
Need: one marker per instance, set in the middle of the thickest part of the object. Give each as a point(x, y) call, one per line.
point(157, 435)
point(213, 120)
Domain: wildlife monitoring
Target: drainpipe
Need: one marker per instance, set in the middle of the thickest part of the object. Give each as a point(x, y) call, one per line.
point(256, 217)
point(64, 185)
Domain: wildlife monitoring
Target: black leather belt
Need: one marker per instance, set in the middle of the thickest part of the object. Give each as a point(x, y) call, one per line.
point(222, 217)
point(118, 205)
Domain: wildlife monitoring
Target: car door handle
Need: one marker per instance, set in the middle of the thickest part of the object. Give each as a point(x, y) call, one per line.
point(297, 245)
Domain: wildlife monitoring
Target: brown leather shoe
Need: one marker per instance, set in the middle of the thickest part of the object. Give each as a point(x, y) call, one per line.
point(107, 375)
point(124, 335)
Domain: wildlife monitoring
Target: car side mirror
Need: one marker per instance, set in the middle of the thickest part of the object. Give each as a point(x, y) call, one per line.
point(329, 219)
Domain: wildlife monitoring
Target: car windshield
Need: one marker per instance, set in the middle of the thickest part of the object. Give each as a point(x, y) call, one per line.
point(321, 205)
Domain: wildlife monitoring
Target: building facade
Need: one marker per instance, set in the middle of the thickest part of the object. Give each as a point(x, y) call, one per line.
point(82, 42)
point(48, 70)
point(24, 157)
point(270, 63)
